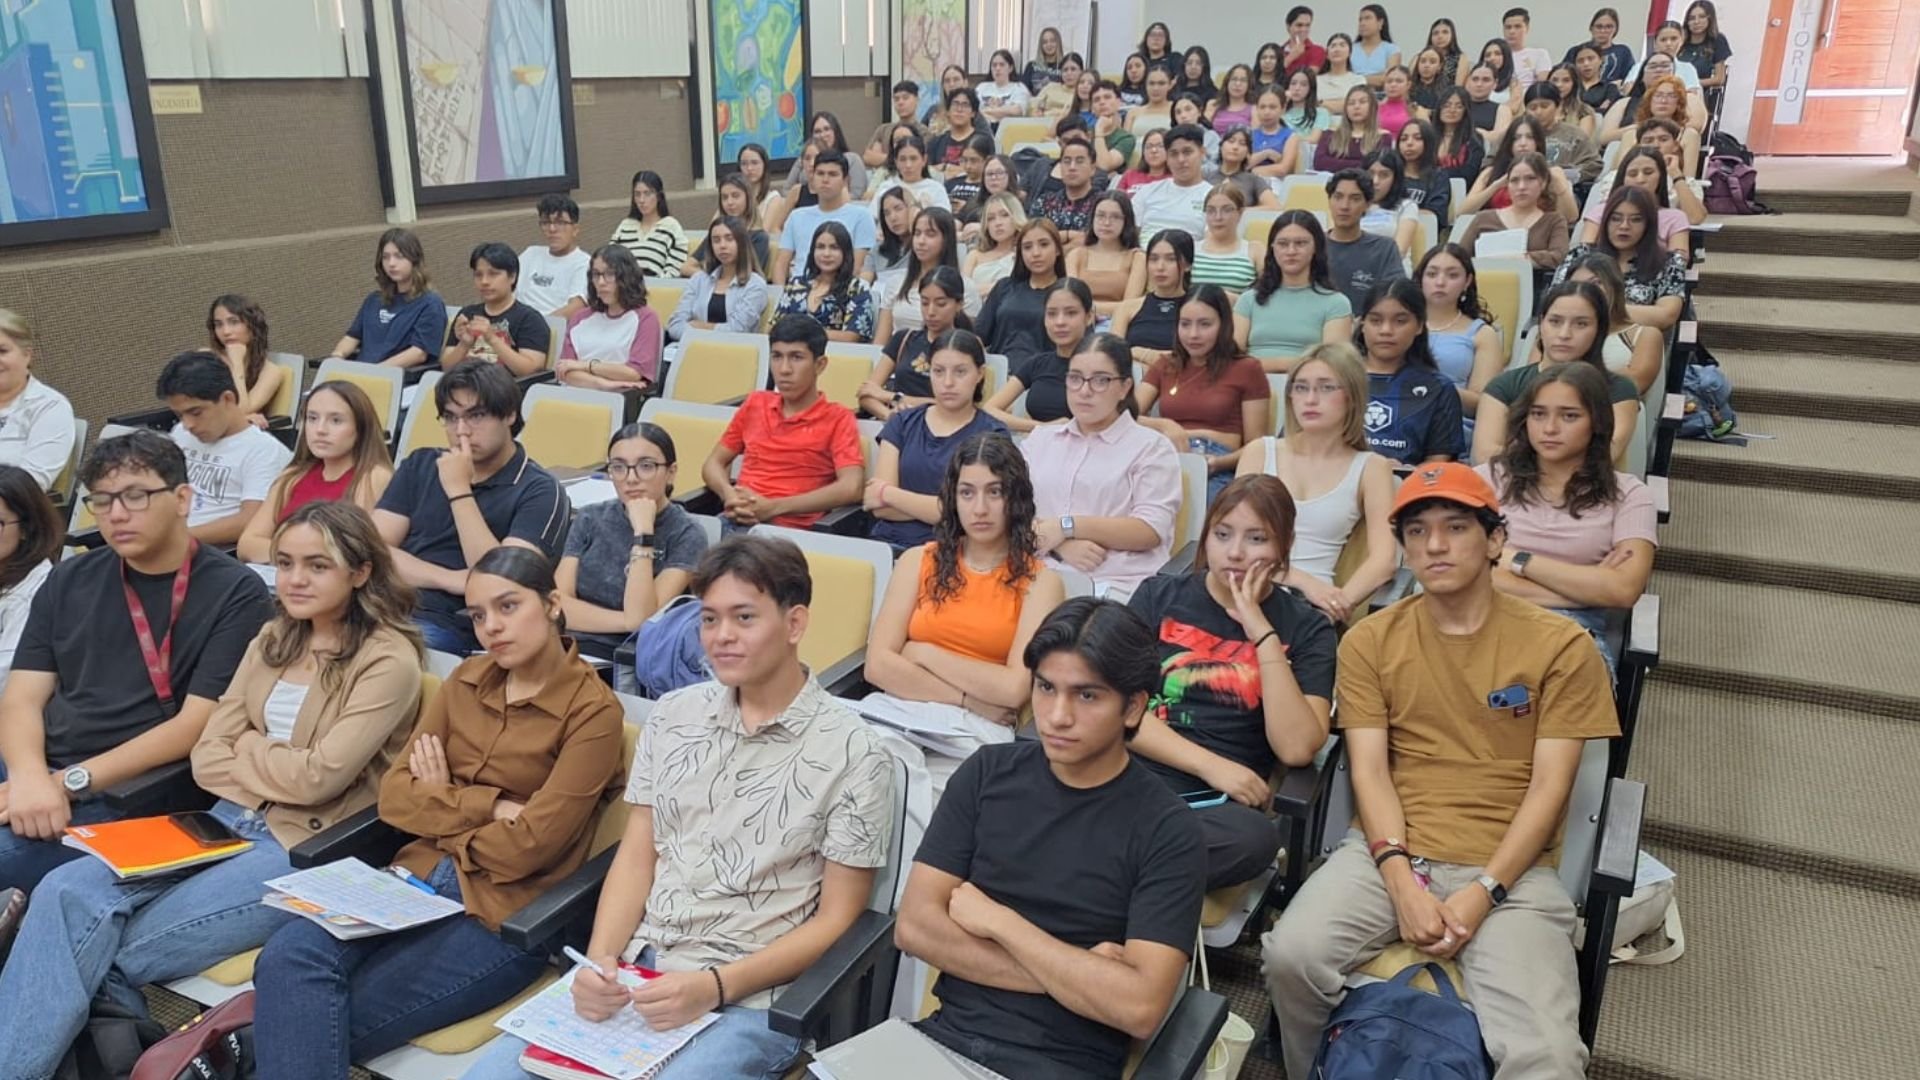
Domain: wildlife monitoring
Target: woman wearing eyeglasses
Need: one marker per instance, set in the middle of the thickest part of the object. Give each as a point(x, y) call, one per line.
point(628, 556)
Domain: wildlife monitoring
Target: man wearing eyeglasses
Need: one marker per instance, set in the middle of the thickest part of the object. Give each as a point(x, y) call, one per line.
point(553, 275)
point(124, 653)
point(446, 508)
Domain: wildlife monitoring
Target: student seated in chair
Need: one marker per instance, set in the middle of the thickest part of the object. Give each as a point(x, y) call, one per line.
point(1245, 675)
point(342, 455)
point(1052, 960)
point(500, 782)
point(498, 329)
point(403, 322)
point(613, 343)
point(36, 421)
point(231, 464)
point(318, 709)
point(729, 926)
point(553, 274)
point(1465, 712)
point(237, 333)
point(81, 711)
point(445, 508)
point(802, 452)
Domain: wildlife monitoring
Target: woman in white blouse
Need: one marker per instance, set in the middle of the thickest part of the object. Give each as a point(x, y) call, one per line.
point(36, 421)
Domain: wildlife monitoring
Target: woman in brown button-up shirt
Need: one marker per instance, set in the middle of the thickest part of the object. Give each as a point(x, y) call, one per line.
point(501, 783)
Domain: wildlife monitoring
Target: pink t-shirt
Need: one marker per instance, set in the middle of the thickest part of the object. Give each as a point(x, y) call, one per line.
point(1585, 540)
point(1669, 220)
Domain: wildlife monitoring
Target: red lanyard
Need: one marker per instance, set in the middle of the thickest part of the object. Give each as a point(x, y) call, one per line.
point(160, 659)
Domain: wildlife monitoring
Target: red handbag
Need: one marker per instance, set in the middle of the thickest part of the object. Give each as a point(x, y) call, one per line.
point(216, 1045)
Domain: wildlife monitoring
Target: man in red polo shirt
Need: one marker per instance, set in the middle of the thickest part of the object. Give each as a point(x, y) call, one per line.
point(803, 454)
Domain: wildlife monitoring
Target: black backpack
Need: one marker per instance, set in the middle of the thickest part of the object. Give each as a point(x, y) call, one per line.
point(1725, 145)
point(109, 1047)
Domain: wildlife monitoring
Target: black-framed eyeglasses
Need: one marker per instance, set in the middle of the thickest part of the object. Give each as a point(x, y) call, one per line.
point(135, 499)
point(1101, 383)
point(645, 468)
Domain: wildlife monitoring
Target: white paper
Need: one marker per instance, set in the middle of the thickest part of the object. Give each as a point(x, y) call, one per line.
point(1650, 871)
point(590, 490)
point(1504, 242)
point(352, 888)
point(624, 1047)
point(266, 572)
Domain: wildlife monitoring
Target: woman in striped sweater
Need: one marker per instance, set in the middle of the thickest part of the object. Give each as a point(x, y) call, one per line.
point(658, 243)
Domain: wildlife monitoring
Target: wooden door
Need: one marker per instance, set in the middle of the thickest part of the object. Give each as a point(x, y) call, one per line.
point(1836, 77)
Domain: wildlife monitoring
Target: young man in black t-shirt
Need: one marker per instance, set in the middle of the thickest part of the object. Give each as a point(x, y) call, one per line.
point(499, 328)
point(1058, 886)
point(89, 704)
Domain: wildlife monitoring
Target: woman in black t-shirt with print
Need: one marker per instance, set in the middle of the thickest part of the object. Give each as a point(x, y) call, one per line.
point(1246, 676)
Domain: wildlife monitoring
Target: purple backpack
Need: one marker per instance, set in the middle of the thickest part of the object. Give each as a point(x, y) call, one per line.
point(1731, 186)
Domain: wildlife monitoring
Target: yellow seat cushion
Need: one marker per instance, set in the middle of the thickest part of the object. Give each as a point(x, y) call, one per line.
point(1500, 292)
point(1308, 196)
point(694, 437)
point(716, 372)
point(476, 1031)
point(840, 382)
point(568, 434)
point(427, 430)
point(1222, 902)
point(234, 970)
point(613, 816)
point(837, 629)
point(663, 299)
point(1400, 956)
point(378, 389)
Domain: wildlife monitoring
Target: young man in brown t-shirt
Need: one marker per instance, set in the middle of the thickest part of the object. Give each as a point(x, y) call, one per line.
point(1465, 713)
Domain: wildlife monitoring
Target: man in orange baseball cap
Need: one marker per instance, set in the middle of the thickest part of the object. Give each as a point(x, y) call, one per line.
point(1465, 713)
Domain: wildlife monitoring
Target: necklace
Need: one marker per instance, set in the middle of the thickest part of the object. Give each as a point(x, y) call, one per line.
point(1457, 316)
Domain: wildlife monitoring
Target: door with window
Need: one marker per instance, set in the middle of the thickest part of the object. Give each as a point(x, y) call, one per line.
point(1836, 77)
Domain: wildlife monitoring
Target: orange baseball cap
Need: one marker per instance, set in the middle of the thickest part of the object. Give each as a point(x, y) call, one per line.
point(1448, 480)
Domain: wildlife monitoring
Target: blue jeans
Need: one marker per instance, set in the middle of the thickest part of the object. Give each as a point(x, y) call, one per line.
point(324, 1003)
point(23, 862)
point(1594, 622)
point(738, 1046)
point(1216, 481)
point(447, 633)
point(87, 932)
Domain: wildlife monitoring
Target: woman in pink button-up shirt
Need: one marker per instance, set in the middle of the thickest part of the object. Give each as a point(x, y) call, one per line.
point(1106, 490)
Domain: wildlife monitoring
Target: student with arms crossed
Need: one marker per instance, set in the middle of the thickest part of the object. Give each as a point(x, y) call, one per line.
point(1056, 987)
point(341, 456)
point(613, 343)
point(231, 464)
point(802, 454)
point(447, 508)
point(320, 705)
point(1245, 676)
point(792, 889)
point(78, 717)
point(498, 329)
point(500, 783)
point(403, 322)
point(1478, 791)
point(553, 275)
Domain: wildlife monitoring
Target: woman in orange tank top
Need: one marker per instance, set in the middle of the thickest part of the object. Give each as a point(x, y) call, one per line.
point(958, 611)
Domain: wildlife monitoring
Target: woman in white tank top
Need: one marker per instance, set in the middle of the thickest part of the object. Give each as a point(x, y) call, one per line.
point(1335, 481)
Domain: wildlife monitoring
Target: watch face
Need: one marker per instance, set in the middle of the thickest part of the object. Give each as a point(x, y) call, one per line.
point(76, 779)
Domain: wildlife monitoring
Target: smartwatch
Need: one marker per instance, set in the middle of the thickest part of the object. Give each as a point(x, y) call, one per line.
point(642, 540)
point(1496, 891)
point(76, 780)
point(1519, 562)
point(1066, 525)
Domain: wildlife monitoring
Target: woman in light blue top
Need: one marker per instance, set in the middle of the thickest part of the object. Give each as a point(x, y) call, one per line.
point(1466, 347)
point(729, 294)
point(1374, 53)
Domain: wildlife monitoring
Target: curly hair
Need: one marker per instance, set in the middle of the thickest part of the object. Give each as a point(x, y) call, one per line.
point(255, 319)
point(998, 453)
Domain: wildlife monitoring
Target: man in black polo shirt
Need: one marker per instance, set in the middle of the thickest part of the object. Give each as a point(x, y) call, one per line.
point(92, 701)
point(446, 508)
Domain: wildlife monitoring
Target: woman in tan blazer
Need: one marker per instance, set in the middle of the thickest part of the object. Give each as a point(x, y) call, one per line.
point(318, 709)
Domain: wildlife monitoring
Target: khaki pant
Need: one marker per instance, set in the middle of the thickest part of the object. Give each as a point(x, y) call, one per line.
point(1519, 969)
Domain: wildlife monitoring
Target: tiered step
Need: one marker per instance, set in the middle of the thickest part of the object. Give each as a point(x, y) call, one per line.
point(1834, 328)
point(1809, 277)
point(1799, 645)
point(1887, 202)
point(1822, 387)
point(1874, 461)
point(1846, 235)
point(1828, 543)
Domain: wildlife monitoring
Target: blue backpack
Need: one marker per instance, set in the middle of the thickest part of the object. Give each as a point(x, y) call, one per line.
point(1709, 395)
point(1392, 1031)
point(666, 649)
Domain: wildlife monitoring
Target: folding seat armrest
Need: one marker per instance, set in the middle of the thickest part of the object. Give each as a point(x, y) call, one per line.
point(1303, 791)
point(362, 836)
point(1181, 561)
point(1617, 853)
point(1662, 491)
point(1179, 1049)
point(826, 995)
point(570, 902)
point(161, 420)
point(842, 521)
point(699, 501)
point(161, 790)
point(1643, 632)
point(544, 375)
point(845, 675)
point(1673, 409)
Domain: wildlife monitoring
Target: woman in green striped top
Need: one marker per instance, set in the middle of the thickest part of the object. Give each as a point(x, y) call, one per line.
point(658, 243)
point(1220, 258)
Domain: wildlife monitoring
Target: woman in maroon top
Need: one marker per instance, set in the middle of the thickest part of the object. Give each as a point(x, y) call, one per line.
point(1212, 398)
point(342, 455)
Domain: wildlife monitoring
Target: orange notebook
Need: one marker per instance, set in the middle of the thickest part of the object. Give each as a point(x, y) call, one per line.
point(142, 847)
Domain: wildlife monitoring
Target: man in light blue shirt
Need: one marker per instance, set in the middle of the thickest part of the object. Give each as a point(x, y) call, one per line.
point(830, 186)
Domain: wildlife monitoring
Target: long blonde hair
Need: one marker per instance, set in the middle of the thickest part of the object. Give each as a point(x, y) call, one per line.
point(1014, 210)
point(1345, 138)
point(1344, 361)
point(15, 327)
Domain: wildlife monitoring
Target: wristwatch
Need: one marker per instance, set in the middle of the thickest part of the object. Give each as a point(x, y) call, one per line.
point(1066, 525)
point(1496, 891)
point(642, 539)
point(1519, 562)
point(76, 780)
